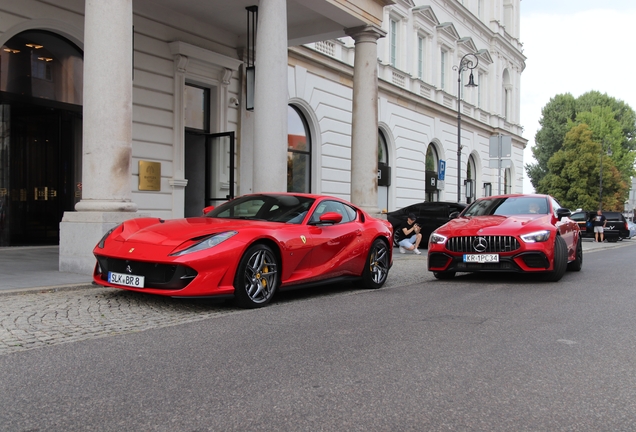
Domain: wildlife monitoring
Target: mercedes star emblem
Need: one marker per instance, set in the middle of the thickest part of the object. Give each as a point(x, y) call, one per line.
point(480, 244)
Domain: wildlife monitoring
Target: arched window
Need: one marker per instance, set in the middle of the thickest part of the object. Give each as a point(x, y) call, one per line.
point(384, 172)
point(382, 149)
point(298, 152)
point(471, 173)
point(42, 65)
point(507, 95)
point(431, 165)
point(432, 160)
point(507, 181)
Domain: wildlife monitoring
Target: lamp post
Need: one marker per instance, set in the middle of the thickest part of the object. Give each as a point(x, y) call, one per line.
point(600, 175)
point(464, 64)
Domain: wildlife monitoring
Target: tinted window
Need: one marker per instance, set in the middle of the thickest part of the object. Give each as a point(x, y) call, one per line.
point(615, 216)
point(579, 217)
point(274, 208)
point(508, 206)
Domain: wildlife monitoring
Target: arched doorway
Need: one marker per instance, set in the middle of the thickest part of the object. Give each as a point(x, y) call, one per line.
point(40, 136)
point(384, 172)
point(298, 151)
point(471, 180)
point(431, 165)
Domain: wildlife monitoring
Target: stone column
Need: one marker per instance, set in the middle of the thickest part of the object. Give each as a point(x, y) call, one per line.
point(107, 140)
point(107, 134)
point(364, 127)
point(270, 98)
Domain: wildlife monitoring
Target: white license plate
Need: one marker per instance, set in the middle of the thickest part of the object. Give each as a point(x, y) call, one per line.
point(481, 258)
point(126, 279)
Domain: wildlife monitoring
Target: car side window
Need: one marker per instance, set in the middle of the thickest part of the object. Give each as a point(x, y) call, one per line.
point(579, 217)
point(332, 206)
point(555, 206)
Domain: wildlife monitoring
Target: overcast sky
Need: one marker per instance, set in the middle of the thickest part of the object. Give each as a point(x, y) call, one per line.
point(574, 46)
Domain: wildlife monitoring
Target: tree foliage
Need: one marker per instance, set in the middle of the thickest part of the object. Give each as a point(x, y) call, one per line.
point(555, 122)
point(610, 128)
point(574, 174)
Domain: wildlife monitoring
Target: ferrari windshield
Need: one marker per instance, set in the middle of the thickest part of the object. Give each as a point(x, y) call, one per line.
point(507, 206)
point(273, 208)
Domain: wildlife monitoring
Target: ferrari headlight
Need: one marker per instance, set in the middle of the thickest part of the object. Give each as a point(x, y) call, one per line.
point(206, 243)
point(535, 237)
point(437, 239)
point(102, 242)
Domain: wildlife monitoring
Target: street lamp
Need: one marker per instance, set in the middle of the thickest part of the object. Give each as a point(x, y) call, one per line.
point(464, 64)
point(600, 175)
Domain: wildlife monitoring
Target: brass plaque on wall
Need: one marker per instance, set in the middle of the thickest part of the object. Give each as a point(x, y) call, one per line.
point(149, 176)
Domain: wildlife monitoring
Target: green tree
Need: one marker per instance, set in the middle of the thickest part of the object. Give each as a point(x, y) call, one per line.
point(609, 118)
point(555, 120)
point(573, 173)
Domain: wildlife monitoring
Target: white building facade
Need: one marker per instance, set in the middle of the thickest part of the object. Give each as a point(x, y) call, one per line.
point(418, 85)
point(117, 109)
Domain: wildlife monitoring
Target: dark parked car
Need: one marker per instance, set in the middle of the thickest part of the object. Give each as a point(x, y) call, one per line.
point(430, 216)
point(615, 228)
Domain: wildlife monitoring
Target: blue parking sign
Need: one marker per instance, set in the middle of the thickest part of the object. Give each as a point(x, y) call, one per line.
point(441, 170)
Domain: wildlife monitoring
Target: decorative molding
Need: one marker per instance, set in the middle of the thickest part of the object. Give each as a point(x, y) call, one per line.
point(180, 63)
point(427, 13)
point(448, 29)
point(225, 76)
point(204, 55)
point(178, 183)
point(468, 43)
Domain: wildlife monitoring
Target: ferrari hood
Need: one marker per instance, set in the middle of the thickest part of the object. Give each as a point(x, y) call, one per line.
point(483, 225)
point(175, 232)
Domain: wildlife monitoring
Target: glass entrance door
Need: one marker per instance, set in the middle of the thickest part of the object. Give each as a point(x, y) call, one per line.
point(37, 173)
point(209, 168)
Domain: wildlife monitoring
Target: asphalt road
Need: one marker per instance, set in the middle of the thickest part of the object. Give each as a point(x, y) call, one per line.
point(479, 353)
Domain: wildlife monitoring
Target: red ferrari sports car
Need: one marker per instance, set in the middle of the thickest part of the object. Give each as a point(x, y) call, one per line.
point(511, 233)
point(247, 248)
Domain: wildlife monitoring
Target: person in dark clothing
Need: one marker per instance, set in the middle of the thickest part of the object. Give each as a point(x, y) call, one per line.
point(599, 225)
point(409, 236)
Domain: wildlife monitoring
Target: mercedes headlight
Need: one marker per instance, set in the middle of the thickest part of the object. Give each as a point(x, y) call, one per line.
point(535, 237)
point(437, 239)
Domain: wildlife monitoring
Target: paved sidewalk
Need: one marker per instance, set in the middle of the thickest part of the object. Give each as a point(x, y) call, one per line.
point(35, 267)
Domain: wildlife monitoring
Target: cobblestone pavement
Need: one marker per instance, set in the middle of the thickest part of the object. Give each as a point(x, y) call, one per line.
point(43, 318)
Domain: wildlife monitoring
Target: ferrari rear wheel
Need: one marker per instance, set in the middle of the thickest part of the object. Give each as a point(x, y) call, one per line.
point(376, 268)
point(560, 260)
point(257, 277)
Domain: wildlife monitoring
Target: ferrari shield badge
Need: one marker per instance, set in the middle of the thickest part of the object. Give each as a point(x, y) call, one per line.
point(302, 237)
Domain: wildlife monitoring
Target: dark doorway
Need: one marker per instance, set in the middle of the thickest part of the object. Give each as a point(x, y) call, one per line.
point(37, 161)
point(40, 136)
point(209, 168)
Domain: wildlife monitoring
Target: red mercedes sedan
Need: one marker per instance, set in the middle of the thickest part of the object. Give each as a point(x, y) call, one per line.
point(248, 248)
point(508, 233)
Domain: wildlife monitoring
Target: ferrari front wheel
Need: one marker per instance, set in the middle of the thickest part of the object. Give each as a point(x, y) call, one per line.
point(376, 268)
point(257, 277)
